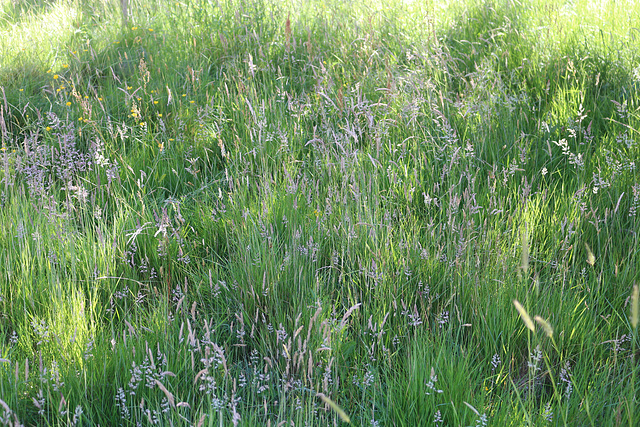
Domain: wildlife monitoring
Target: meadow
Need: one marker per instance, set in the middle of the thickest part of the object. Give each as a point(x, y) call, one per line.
point(315, 213)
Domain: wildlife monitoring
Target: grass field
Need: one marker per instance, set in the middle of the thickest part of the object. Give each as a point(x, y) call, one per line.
point(310, 213)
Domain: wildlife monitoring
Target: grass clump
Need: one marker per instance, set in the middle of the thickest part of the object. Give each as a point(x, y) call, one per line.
point(267, 213)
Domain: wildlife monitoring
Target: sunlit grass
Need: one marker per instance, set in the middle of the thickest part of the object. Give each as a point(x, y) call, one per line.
point(319, 213)
point(35, 39)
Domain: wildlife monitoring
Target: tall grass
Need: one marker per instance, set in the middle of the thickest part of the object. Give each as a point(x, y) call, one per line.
point(316, 213)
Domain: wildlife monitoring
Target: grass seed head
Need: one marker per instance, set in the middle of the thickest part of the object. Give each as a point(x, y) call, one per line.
point(525, 316)
point(545, 326)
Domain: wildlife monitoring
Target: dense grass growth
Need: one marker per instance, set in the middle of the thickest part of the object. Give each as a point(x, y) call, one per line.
point(308, 213)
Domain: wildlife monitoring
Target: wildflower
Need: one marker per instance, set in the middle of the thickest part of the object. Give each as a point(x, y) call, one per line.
point(99, 99)
point(65, 66)
point(495, 361)
point(414, 317)
point(481, 421)
point(565, 377)
point(535, 358)
point(431, 385)
point(48, 128)
point(21, 90)
point(39, 403)
point(547, 413)
point(155, 102)
point(77, 414)
point(442, 318)
point(151, 30)
point(68, 103)
point(134, 28)
point(121, 401)
point(192, 101)
point(129, 88)
point(55, 77)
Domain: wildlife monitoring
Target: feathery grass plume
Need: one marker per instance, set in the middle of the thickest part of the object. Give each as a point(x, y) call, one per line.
point(545, 326)
point(524, 262)
point(8, 413)
point(348, 313)
point(338, 410)
point(287, 33)
point(167, 393)
point(591, 259)
point(525, 316)
point(634, 307)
